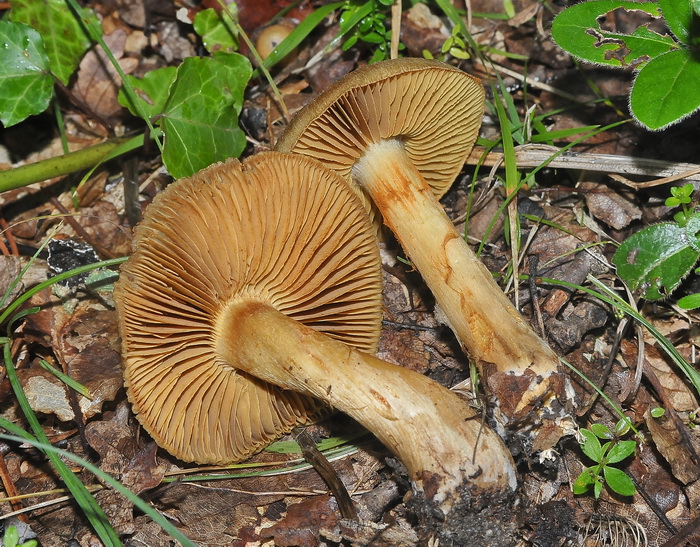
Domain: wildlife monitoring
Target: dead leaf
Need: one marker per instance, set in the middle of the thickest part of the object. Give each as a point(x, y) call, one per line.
point(671, 445)
point(422, 30)
point(300, 527)
point(679, 394)
point(98, 83)
point(86, 345)
point(613, 208)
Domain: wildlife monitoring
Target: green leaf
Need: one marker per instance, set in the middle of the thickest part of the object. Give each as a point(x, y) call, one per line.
point(597, 489)
point(26, 85)
point(657, 412)
point(577, 29)
point(601, 431)
point(620, 451)
point(11, 537)
point(64, 37)
point(583, 481)
point(216, 30)
point(679, 18)
point(655, 260)
point(690, 302)
point(200, 119)
point(152, 90)
point(622, 427)
point(618, 481)
point(664, 91)
point(591, 446)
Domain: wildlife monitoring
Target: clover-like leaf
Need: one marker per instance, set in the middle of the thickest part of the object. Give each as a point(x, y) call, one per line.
point(584, 481)
point(622, 426)
point(601, 431)
point(690, 302)
point(597, 488)
point(26, 84)
point(64, 36)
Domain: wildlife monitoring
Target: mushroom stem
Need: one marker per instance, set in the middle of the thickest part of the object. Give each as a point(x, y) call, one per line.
point(475, 308)
point(428, 427)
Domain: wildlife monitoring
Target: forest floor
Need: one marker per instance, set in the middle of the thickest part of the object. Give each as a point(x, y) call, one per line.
point(571, 220)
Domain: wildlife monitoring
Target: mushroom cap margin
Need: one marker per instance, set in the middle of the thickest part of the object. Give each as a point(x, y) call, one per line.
point(434, 108)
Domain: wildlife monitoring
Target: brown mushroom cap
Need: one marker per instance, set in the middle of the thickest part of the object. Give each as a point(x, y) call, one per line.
point(434, 109)
point(277, 229)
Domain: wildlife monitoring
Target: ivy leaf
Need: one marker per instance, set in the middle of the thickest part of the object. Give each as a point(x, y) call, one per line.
point(200, 117)
point(26, 84)
point(577, 29)
point(619, 481)
point(664, 91)
point(152, 90)
point(620, 451)
point(655, 260)
point(215, 29)
point(64, 37)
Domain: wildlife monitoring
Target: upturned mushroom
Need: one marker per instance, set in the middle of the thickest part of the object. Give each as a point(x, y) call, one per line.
point(251, 300)
point(399, 131)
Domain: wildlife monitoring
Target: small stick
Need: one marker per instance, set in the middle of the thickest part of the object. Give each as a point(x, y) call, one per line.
point(323, 467)
point(10, 238)
point(395, 28)
point(11, 489)
point(534, 155)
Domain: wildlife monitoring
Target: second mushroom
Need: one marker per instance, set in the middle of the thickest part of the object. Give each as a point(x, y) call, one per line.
point(399, 131)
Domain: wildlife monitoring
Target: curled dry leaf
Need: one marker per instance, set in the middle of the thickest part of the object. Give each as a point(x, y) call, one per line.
point(613, 208)
point(671, 443)
point(86, 345)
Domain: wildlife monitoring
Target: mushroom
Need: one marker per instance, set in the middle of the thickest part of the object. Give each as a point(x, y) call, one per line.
point(252, 300)
point(271, 37)
point(399, 131)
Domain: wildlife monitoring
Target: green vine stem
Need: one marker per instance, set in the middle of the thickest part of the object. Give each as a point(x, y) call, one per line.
point(67, 163)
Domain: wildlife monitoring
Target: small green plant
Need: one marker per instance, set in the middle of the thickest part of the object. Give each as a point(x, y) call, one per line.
point(667, 66)
point(613, 451)
point(456, 45)
point(11, 539)
point(657, 258)
point(658, 412)
point(366, 22)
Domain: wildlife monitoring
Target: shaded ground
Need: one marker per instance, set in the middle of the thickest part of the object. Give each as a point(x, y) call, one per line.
point(76, 328)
